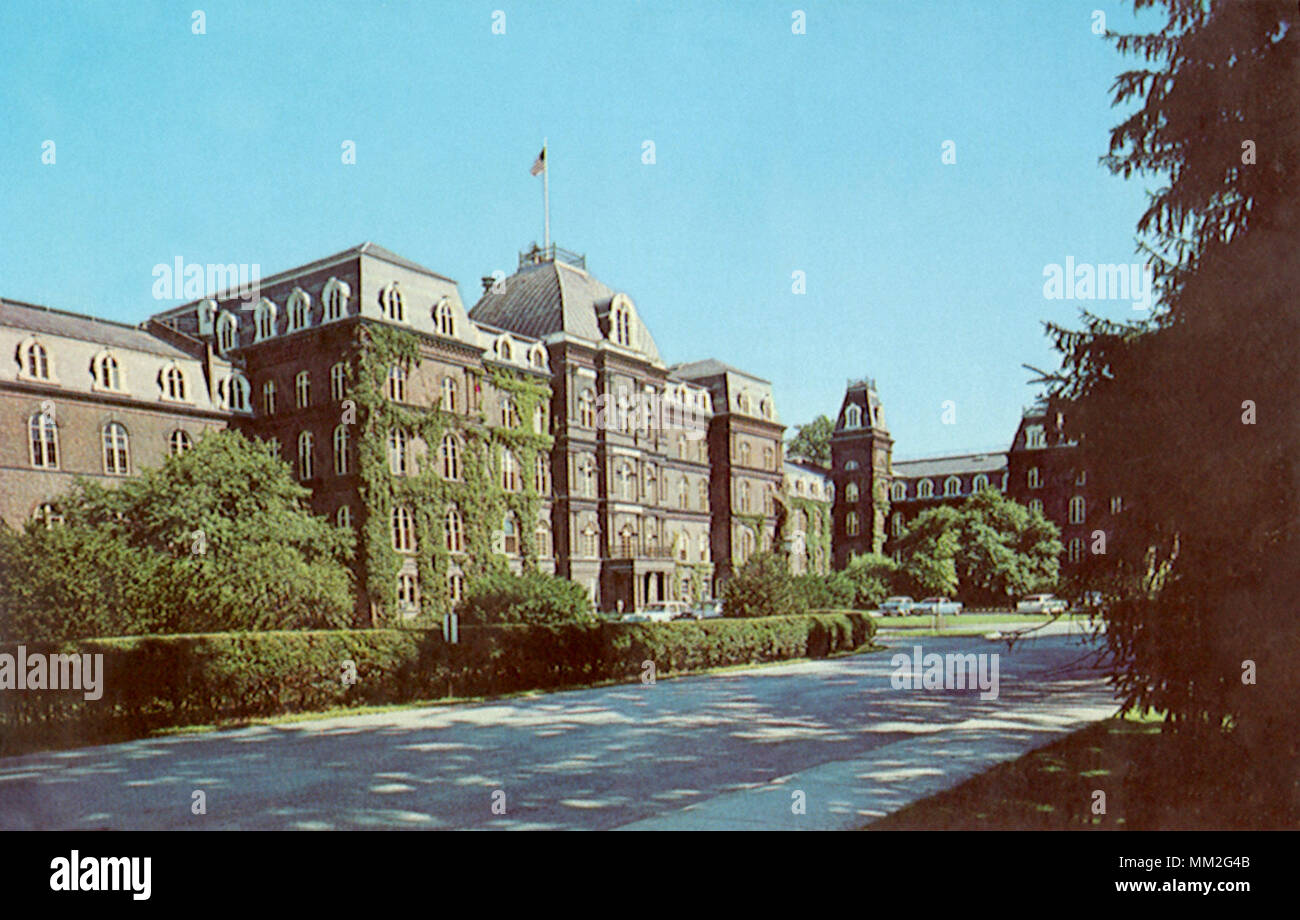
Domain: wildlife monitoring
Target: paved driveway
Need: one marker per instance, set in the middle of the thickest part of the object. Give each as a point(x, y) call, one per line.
point(739, 749)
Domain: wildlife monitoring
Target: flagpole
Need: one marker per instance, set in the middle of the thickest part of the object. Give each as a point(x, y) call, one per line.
point(546, 194)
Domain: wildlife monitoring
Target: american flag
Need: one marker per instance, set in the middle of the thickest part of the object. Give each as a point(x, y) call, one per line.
point(539, 165)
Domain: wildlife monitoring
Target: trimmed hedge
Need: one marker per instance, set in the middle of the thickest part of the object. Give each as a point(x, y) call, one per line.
point(153, 682)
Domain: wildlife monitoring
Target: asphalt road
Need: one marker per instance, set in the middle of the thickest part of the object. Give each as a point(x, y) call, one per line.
point(805, 745)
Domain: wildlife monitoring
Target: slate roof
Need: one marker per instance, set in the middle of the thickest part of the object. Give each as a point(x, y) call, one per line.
point(950, 466)
point(709, 367)
point(48, 321)
point(540, 300)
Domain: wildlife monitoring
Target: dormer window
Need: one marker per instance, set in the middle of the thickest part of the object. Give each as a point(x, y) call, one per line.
point(765, 407)
point(925, 489)
point(537, 357)
point(853, 417)
point(108, 372)
point(980, 484)
point(234, 391)
point(206, 313)
point(34, 361)
point(299, 310)
point(620, 321)
point(503, 349)
point(443, 318)
point(227, 332)
point(173, 383)
point(263, 320)
point(335, 295)
point(952, 486)
point(391, 303)
point(899, 491)
point(1035, 437)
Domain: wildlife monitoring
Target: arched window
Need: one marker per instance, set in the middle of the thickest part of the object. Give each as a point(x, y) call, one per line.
point(227, 332)
point(742, 401)
point(542, 475)
point(299, 310)
point(896, 524)
point(44, 441)
point(338, 381)
point(263, 320)
point(117, 452)
point(403, 529)
point(35, 360)
point(925, 489)
point(1077, 510)
point(744, 453)
point(540, 414)
point(952, 486)
point(587, 409)
point(391, 303)
point(981, 483)
point(851, 493)
point(627, 541)
point(704, 495)
point(681, 447)
point(305, 458)
point(342, 454)
point(449, 453)
point(703, 546)
point(335, 295)
point(504, 350)
point(449, 394)
point(851, 524)
point(455, 531)
point(510, 534)
point(509, 471)
point(178, 442)
point(398, 451)
point(626, 489)
point(455, 587)
point(444, 320)
point(1036, 505)
point(590, 541)
point(1033, 477)
point(235, 392)
point(746, 545)
point(302, 388)
point(205, 312)
point(853, 417)
point(509, 414)
point(343, 517)
point(1116, 504)
point(537, 357)
point(543, 539)
point(108, 373)
point(397, 383)
point(683, 494)
point(1076, 549)
point(898, 491)
point(620, 322)
point(173, 383)
point(268, 398)
point(744, 498)
point(765, 407)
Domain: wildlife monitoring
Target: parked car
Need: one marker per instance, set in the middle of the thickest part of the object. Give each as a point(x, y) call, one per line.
point(1042, 603)
point(943, 606)
point(634, 618)
point(897, 606)
point(707, 610)
point(664, 611)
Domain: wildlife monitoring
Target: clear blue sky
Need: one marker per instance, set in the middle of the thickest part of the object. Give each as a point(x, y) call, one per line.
point(775, 152)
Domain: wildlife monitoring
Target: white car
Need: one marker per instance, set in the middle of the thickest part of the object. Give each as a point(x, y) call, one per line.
point(1042, 603)
point(897, 606)
point(940, 605)
point(707, 610)
point(665, 611)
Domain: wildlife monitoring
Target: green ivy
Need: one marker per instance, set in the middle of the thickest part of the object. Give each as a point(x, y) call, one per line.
point(818, 534)
point(478, 494)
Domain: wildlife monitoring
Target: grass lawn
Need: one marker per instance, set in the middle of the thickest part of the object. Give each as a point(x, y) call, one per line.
point(948, 621)
point(1152, 781)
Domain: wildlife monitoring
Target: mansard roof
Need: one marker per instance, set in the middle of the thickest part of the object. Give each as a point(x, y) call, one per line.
point(958, 465)
point(555, 297)
point(49, 321)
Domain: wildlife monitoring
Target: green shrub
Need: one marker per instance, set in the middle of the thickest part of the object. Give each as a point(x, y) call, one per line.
point(835, 590)
point(762, 588)
point(874, 578)
point(153, 682)
point(531, 599)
